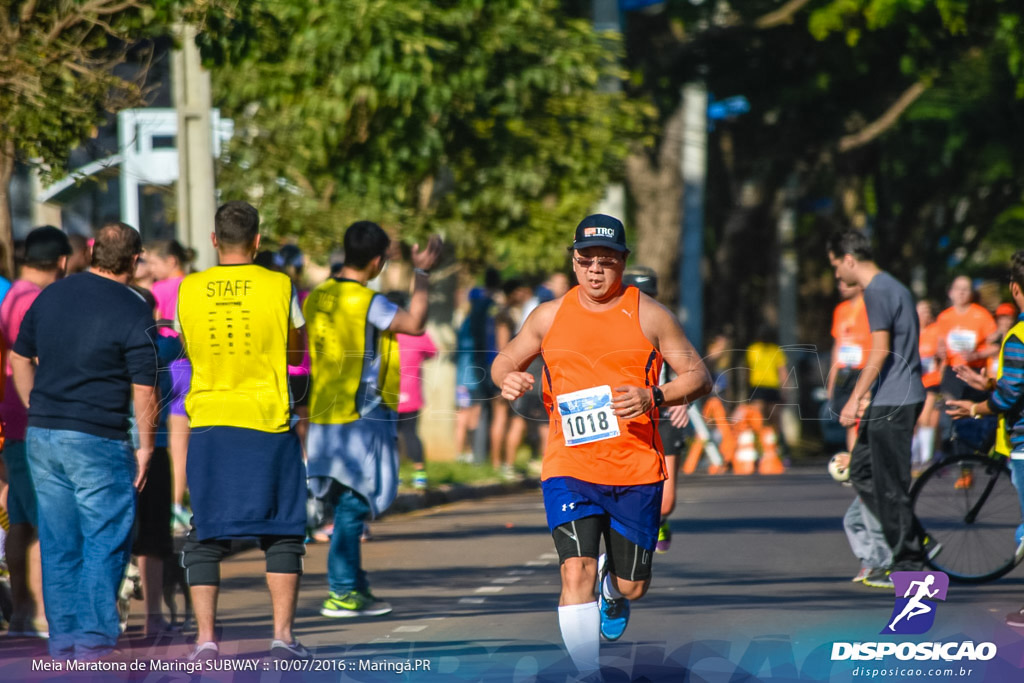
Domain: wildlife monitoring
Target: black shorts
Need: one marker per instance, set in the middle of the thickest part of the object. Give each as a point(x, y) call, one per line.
point(766, 394)
point(298, 386)
point(957, 389)
point(582, 538)
point(152, 533)
point(673, 439)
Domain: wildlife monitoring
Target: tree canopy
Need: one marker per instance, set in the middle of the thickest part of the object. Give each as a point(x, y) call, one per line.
point(486, 121)
point(64, 68)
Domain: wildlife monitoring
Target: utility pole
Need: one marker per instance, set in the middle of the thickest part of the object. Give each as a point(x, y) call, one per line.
point(691, 246)
point(196, 185)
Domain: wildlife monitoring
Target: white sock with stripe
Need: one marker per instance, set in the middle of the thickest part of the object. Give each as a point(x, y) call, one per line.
point(581, 633)
point(608, 589)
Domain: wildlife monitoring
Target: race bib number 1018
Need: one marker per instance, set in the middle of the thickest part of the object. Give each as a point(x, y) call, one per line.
point(587, 416)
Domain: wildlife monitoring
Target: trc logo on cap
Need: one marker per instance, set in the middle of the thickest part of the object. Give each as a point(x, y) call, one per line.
point(914, 611)
point(599, 232)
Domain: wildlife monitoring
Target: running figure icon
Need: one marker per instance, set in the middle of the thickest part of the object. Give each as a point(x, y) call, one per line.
point(915, 607)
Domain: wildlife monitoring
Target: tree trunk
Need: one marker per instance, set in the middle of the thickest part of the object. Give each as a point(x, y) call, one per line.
point(656, 187)
point(6, 219)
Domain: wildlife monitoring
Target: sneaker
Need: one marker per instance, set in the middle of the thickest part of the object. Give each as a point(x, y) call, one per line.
point(33, 628)
point(1016, 619)
point(323, 534)
point(207, 652)
point(282, 650)
point(181, 519)
point(878, 578)
point(614, 612)
point(965, 481)
point(861, 575)
point(664, 538)
point(932, 548)
point(614, 617)
point(354, 604)
point(419, 479)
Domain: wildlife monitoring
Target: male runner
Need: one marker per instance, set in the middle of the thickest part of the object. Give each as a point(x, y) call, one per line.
point(603, 346)
point(240, 323)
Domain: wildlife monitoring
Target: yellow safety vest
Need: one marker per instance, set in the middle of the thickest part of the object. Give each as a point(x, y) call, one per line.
point(343, 348)
point(1003, 446)
point(235, 322)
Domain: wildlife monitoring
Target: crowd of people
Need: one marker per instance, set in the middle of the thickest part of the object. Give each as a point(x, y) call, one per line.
point(902, 382)
point(235, 402)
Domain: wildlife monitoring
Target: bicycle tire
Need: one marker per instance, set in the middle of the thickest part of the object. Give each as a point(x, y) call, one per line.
point(975, 524)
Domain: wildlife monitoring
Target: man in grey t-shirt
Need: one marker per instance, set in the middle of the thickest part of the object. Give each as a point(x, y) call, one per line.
point(880, 461)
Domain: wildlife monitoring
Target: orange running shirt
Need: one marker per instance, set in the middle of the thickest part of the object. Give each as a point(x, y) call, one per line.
point(585, 350)
point(965, 332)
point(852, 333)
point(928, 346)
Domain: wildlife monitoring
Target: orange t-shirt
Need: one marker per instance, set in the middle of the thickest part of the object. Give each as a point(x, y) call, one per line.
point(965, 332)
point(583, 351)
point(928, 346)
point(852, 332)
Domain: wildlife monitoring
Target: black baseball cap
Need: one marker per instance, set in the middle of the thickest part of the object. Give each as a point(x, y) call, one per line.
point(46, 245)
point(599, 230)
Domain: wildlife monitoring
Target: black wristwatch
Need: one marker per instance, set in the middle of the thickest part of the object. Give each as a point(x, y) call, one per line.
point(659, 397)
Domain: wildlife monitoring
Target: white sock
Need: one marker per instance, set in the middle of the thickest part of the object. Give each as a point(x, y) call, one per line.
point(927, 436)
point(608, 589)
point(581, 633)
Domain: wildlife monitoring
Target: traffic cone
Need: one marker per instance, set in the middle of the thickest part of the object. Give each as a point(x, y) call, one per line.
point(770, 462)
point(746, 453)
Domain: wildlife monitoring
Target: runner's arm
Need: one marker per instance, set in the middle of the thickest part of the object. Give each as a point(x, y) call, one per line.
point(23, 371)
point(414, 320)
point(144, 399)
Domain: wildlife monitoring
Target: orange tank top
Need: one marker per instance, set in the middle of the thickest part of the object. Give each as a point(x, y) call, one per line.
point(585, 350)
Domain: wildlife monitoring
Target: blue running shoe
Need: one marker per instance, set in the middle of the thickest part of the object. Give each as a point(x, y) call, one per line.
point(614, 617)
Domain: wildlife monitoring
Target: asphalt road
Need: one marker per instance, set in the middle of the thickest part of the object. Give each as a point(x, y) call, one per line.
point(754, 588)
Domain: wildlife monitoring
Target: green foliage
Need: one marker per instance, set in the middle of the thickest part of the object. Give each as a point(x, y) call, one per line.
point(59, 66)
point(482, 120)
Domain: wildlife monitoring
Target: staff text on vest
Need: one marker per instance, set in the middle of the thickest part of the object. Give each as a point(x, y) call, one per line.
point(228, 287)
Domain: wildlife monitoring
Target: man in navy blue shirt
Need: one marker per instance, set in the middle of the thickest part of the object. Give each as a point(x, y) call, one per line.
point(85, 351)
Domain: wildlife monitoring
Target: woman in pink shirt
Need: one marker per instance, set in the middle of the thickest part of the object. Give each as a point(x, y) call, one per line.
point(168, 261)
point(412, 352)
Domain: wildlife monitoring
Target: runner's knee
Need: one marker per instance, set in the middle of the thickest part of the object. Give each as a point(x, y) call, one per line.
point(284, 554)
point(201, 561)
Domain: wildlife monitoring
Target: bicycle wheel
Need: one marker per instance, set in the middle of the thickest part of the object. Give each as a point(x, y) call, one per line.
point(970, 511)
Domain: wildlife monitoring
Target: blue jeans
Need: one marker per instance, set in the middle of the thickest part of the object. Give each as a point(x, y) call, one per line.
point(86, 498)
point(1017, 470)
point(344, 561)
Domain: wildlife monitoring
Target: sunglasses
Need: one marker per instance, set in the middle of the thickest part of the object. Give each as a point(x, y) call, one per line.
point(603, 261)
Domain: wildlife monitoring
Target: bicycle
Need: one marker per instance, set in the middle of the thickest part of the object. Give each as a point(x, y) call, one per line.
point(969, 510)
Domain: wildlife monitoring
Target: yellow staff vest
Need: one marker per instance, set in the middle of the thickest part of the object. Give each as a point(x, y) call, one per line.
point(343, 348)
point(1003, 446)
point(234, 323)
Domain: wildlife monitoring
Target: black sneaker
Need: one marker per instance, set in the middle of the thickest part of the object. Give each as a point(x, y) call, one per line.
point(282, 650)
point(879, 578)
point(1016, 619)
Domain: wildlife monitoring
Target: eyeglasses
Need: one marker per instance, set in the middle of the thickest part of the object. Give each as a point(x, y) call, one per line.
point(603, 261)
